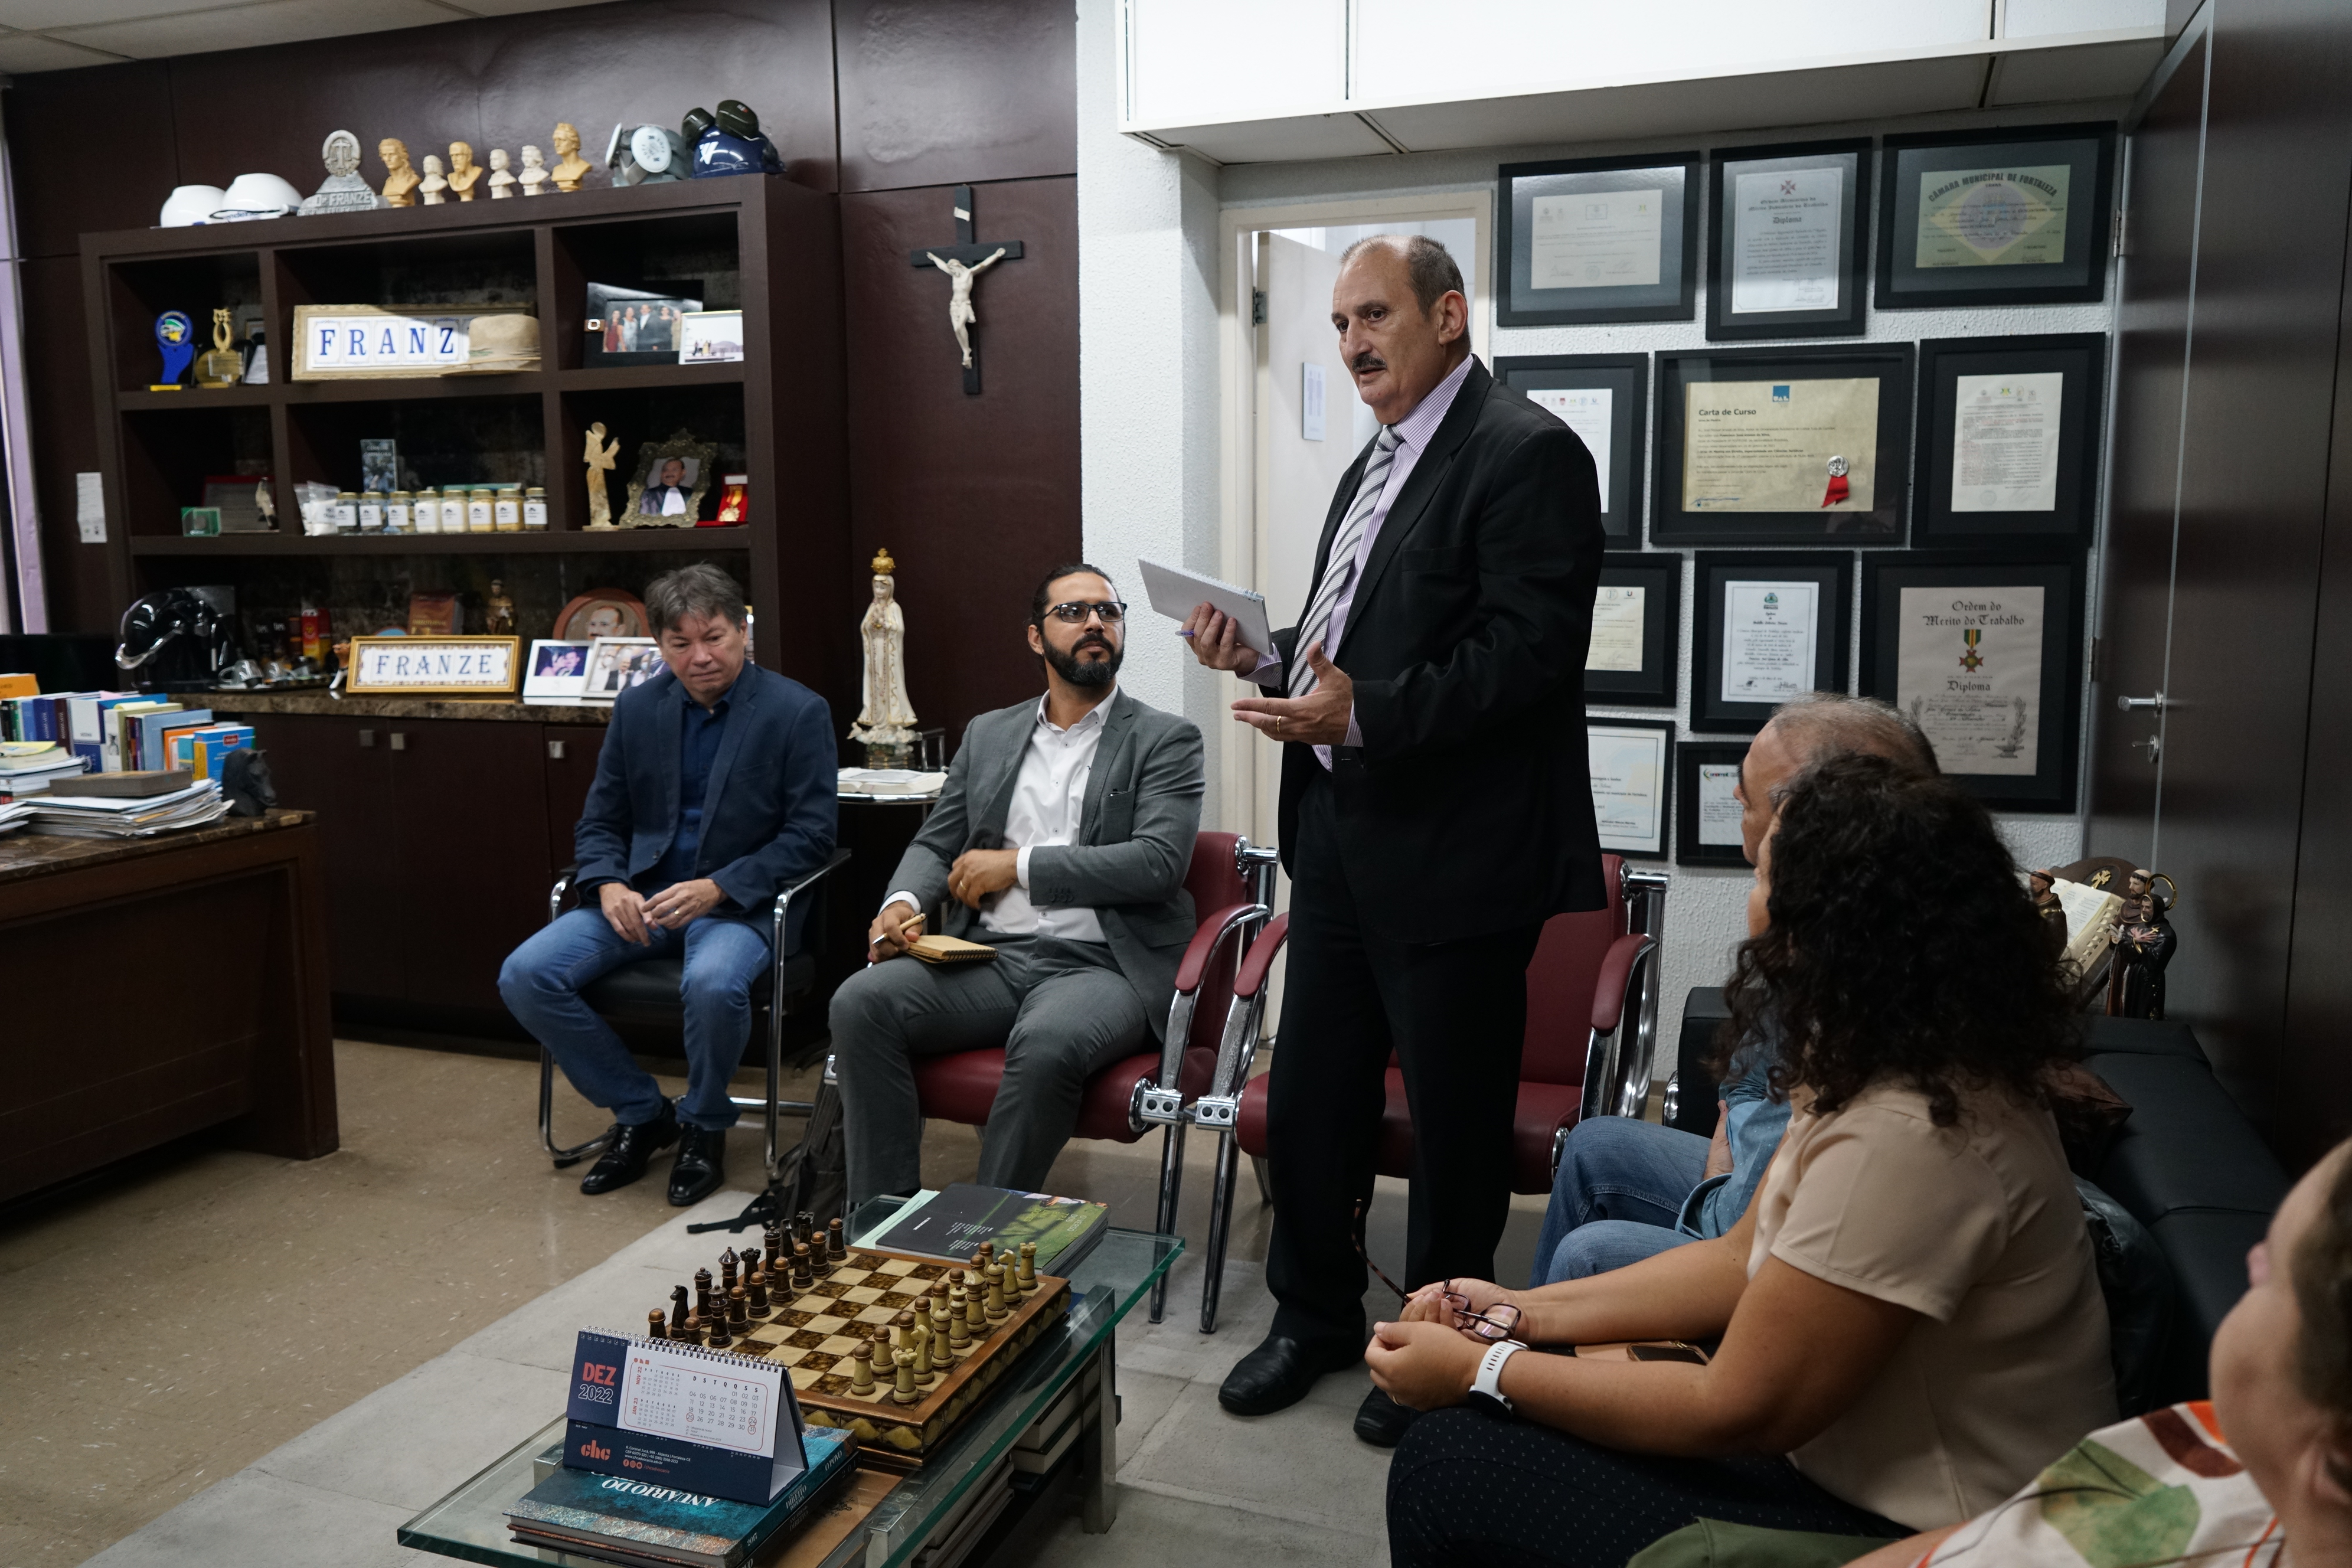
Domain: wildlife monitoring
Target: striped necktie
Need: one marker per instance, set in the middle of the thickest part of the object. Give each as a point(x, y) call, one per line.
point(1339, 566)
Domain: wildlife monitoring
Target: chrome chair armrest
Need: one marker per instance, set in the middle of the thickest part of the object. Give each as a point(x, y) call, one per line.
point(561, 891)
point(1214, 931)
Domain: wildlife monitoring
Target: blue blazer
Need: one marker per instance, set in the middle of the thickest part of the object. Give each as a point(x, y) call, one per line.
point(772, 811)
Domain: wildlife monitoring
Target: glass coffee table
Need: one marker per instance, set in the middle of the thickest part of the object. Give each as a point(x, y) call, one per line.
point(471, 1524)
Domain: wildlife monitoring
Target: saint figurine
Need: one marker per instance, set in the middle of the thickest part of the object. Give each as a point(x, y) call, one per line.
point(462, 171)
point(498, 611)
point(570, 168)
point(433, 189)
point(600, 458)
point(399, 177)
point(503, 184)
point(2144, 942)
point(886, 724)
point(534, 170)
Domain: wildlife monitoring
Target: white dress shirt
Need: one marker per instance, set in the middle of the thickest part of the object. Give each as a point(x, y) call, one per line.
point(1049, 799)
point(1413, 433)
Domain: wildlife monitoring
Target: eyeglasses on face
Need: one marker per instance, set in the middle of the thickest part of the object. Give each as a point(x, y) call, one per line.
point(1075, 613)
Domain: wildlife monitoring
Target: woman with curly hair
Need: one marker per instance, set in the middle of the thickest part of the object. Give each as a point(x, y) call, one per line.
point(1909, 1316)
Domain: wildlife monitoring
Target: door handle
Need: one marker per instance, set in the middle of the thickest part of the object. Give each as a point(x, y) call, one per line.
point(367, 738)
point(399, 740)
point(2155, 744)
point(555, 751)
point(2127, 704)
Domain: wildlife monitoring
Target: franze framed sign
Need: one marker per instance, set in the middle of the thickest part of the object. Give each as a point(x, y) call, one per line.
point(339, 343)
point(424, 667)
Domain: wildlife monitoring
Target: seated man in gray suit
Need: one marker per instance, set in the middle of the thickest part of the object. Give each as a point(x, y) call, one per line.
point(1062, 840)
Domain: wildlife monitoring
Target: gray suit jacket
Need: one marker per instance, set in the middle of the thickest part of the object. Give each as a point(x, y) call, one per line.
point(1142, 811)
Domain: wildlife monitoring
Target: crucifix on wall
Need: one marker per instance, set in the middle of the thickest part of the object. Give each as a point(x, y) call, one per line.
point(963, 262)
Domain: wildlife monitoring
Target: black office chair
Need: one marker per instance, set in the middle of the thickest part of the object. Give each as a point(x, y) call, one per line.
point(647, 993)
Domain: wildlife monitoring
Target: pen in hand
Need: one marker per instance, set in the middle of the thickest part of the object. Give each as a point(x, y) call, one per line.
point(909, 930)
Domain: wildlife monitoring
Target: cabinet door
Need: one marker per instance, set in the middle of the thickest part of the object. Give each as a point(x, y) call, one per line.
point(571, 751)
point(341, 769)
point(470, 798)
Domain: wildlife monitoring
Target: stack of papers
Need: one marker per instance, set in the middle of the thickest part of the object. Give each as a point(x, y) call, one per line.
point(106, 817)
point(890, 780)
point(29, 767)
point(14, 816)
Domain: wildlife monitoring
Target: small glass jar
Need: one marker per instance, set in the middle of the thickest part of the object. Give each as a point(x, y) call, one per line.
point(400, 512)
point(506, 509)
point(372, 511)
point(478, 518)
point(534, 510)
point(347, 512)
point(453, 509)
point(426, 512)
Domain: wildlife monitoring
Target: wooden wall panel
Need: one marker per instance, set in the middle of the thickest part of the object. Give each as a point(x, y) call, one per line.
point(934, 93)
point(975, 496)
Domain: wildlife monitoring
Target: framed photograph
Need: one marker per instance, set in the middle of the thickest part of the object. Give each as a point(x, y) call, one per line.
point(380, 466)
point(711, 337)
point(238, 499)
point(1769, 627)
point(435, 615)
point(1790, 248)
point(1707, 811)
point(2009, 438)
point(637, 324)
point(368, 342)
point(666, 489)
point(557, 672)
point(601, 613)
point(615, 664)
point(1996, 217)
point(1599, 240)
point(1606, 399)
point(1785, 445)
point(1632, 784)
point(1636, 626)
point(1985, 653)
point(427, 666)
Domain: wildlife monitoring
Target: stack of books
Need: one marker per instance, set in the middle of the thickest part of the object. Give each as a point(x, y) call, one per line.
point(28, 768)
point(949, 1226)
point(13, 816)
point(644, 1524)
point(197, 805)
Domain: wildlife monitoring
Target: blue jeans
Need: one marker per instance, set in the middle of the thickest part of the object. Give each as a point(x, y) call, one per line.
point(541, 982)
point(1620, 1189)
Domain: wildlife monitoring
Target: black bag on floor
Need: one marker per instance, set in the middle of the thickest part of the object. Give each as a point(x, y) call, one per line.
point(811, 1177)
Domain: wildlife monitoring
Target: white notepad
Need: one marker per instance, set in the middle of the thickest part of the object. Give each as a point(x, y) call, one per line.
point(1175, 590)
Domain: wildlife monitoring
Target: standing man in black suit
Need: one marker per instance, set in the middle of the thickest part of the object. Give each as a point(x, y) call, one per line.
point(1436, 804)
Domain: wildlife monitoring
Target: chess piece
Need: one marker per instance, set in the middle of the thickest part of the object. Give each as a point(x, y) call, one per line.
point(224, 366)
point(861, 1368)
point(399, 177)
point(901, 1327)
point(678, 1311)
point(570, 168)
point(758, 1292)
point(833, 1249)
point(720, 1339)
point(774, 1237)
point(600, 458)
point(886, 724)
point(727, 1261)
point(749, 1257)
point(1028, 1250)
point(702, 1292)
point(694, 1328)
point(804, 1275)
point(503, 184)
point(997, 1311)
point(904, 1392)
point(804, 1226)
point(942, 1335)
point(958, 1330)
point(464, 172)
point(434, 188)
point(533, 178)
point(975, 1310)
point(344, 191)
point(498, 611)
point(919, 1338)
point(655, 1328)
point(739, 1310)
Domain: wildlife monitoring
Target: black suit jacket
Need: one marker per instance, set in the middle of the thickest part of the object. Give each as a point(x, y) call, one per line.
point(1468, 808)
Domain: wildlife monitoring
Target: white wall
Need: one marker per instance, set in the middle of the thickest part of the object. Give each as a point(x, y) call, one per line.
point(1152, 428)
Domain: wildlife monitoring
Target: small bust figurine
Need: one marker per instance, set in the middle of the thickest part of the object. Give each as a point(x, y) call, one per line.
point(400, 177)
point(498, 611)
point(570, 167)
point(433, 187)
point(534, 170)
point(462, 171)
point(503, 184)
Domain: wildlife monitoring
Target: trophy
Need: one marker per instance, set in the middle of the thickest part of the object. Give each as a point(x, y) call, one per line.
point(224, 366)
point(177, 338)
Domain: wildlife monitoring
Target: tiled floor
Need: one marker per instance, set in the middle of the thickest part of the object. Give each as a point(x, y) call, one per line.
point(181, 1323)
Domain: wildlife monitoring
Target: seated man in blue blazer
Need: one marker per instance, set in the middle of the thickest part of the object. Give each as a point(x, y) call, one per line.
point(715, 788)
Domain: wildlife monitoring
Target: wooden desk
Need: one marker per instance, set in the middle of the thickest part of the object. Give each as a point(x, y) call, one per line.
point(155, 987)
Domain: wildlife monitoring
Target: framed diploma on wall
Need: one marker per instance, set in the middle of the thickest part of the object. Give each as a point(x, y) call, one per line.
point(1985, 653)
point(1997, 217)
point(1769, 627)
point(1790, 253)
point(1636, 631)
point(1784, 446)
point(1606, 399)
point(2009, 438)
point(1707, 811)
point(1632, 784)
point(1599, 240)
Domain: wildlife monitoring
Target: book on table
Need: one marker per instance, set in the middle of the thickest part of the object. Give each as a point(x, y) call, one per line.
point(948, 1226)
point(628, 1521)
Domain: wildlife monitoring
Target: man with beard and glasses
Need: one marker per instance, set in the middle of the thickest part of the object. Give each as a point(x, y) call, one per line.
point(1061, 840)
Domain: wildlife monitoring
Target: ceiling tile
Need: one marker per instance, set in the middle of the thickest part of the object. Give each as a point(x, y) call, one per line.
point(36, 13)
point(24, 53)
point(245, 26)
point(515, 7)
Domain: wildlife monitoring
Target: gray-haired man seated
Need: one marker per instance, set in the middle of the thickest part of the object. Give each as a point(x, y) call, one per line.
point(1062, 840)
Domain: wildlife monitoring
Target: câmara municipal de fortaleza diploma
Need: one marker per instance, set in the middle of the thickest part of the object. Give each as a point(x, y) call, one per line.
point(1968, 669)
point(1763, 445)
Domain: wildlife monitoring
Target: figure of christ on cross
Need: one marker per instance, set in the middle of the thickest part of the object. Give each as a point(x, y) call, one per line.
point(963, 262)
point(961, 315)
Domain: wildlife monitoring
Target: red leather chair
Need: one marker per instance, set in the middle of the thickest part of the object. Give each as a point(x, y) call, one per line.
point(1229, 879)
point(1592, 1022)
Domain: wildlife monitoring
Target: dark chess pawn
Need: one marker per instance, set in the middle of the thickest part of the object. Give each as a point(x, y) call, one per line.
point(693, 1334)
point(656, 1325)
point(739, 1311)
point(720, 1340)
point(758, 1289)
point(834, 1252)
point(803, 1274)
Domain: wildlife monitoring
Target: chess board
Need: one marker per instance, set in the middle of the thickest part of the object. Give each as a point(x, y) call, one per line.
point(808, 1335)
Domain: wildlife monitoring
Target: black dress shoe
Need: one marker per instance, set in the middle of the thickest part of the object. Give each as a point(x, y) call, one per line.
point(628, 1149)
point(1278, 1373)
point(1380, 1421)
point(701, 1167)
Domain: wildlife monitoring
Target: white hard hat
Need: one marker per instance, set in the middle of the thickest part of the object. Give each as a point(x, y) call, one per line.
point(191, 204)
point(261, 195)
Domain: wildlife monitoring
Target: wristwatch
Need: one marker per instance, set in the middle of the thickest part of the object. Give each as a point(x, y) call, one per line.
point(1487, 1390)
